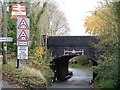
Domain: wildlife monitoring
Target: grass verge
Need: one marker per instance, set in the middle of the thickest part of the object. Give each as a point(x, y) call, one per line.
point(28, 77)
point(80, 66)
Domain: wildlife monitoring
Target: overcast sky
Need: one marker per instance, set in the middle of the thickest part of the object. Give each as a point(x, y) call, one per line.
point(75, 12)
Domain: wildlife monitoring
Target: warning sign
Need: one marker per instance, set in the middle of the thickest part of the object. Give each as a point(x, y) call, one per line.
point(23, 31)
point(73, 51)
point(23, 24)
point(22, 52)
point(23, 37)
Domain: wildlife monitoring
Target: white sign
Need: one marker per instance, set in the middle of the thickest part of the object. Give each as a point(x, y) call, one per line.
point(23, 31)
point(22, 52)
point(23, 23)
point(23, 35)
point(18, 10)
point(73, 51)
point(22, 43)
point(6, 39)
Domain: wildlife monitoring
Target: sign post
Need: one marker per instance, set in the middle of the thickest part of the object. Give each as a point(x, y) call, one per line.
point(23, 32)
point(23, 28)
point(23, 38)
point(4, 45)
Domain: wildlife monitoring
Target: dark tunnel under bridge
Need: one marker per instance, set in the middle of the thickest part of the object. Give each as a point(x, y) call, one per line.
point(63, 48)
point(60, 67)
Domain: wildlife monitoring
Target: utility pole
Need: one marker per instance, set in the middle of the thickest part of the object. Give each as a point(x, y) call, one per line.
point(4, 44)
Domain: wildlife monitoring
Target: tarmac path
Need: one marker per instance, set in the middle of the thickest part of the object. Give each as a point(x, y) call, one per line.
point(79, 80)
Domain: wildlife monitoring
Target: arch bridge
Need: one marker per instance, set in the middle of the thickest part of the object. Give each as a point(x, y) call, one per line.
point(63, 48)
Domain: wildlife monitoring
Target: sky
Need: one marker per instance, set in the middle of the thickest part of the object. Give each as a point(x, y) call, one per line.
point(75, 13)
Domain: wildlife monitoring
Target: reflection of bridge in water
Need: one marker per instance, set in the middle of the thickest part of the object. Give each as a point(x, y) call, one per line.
point(63, 48)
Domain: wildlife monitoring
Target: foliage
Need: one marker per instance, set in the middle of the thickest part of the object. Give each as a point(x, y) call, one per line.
point(107, 72)
point(80, 60)
point(36, 45)
point(42, 56)
point(53, 21)
point(105, 25)
point(35, 26)
point(39, 52)
point(24, 77)
point(12, 32)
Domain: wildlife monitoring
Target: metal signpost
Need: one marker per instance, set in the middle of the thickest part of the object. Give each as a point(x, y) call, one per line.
point(23, 34)
point(23, 28)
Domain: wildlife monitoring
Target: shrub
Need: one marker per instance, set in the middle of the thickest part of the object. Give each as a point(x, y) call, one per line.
point(107, 72)
point(81, 60)
point(30, 77)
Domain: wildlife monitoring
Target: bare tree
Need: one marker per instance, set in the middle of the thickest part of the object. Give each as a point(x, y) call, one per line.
point(53, 21)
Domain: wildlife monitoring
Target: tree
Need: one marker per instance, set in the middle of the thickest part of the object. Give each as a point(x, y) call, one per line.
point(104, 24)
point(35, 23)
point(53, 21)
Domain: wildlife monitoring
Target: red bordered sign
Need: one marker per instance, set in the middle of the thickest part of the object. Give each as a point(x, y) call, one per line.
point(18, 10)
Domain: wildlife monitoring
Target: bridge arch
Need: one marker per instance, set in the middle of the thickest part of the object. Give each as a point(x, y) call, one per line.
point(60, 67)
point(62, 47)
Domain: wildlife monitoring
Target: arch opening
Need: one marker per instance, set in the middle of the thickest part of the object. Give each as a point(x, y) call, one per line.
point(60, 67)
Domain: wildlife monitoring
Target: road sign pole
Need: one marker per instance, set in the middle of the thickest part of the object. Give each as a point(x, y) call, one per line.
point(18, 63)
point(4, 45)
point(24, 64)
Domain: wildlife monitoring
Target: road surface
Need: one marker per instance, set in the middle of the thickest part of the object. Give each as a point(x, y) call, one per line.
point(80, 80)
point(6, 85)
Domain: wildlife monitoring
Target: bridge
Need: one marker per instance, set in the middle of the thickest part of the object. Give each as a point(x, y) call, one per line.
point(63, 48)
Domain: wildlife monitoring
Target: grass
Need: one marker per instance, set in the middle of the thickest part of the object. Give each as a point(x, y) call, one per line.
point(24, 77)
point(80, 66)
point(106, 84)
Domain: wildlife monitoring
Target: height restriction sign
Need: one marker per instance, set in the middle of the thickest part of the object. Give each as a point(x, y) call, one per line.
point(23, 23)
point(23, 31)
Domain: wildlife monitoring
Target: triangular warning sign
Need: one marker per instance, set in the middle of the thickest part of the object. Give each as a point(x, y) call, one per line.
point(23, 24)
point(23, 37)
point(73, 51)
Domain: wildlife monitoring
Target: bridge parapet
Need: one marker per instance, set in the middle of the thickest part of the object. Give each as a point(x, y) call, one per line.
point(64, 45)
